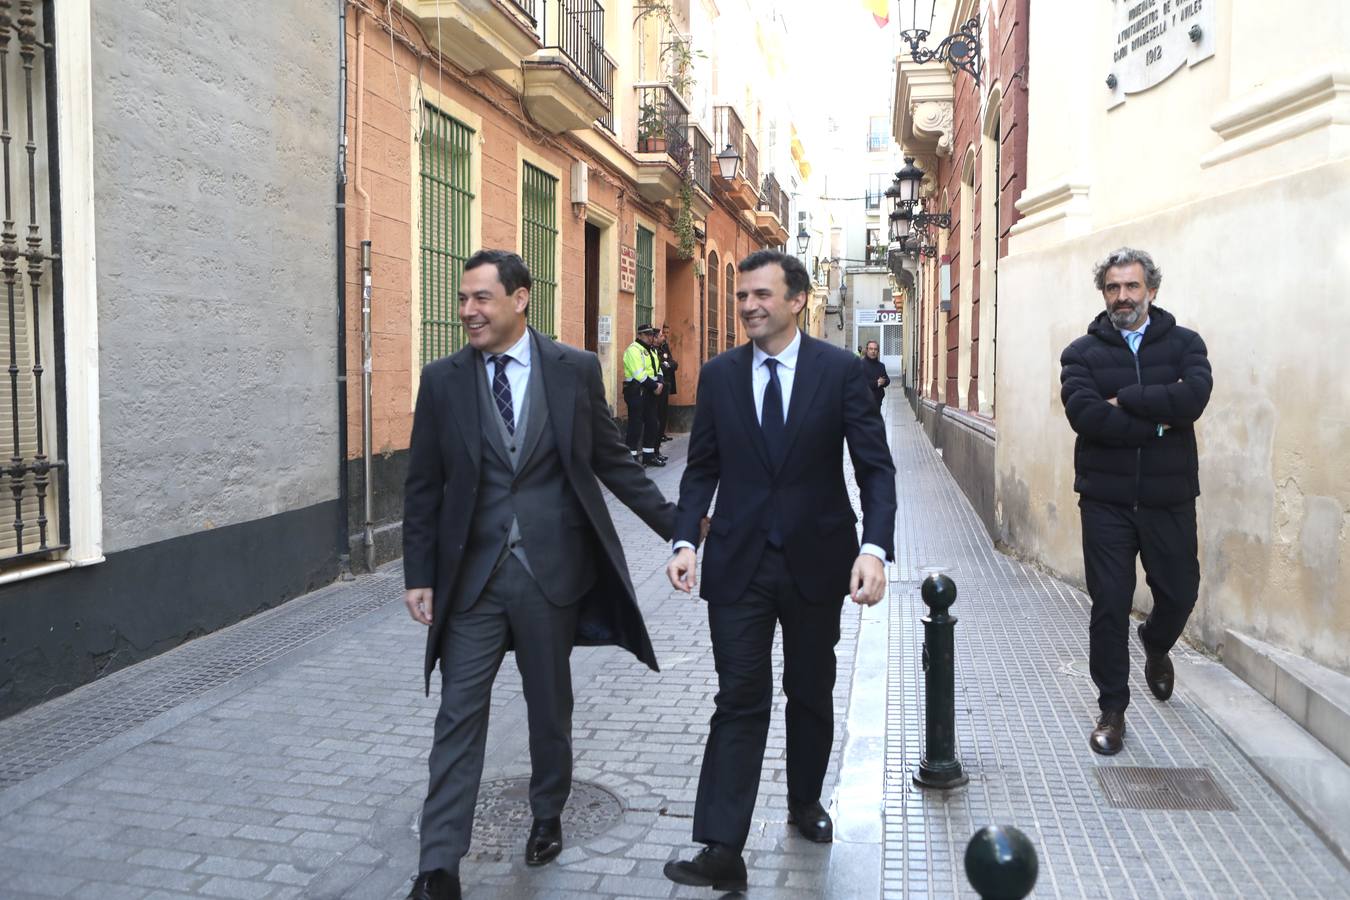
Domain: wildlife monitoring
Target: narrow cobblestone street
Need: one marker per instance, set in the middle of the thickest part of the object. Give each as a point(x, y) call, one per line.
point(285, 757)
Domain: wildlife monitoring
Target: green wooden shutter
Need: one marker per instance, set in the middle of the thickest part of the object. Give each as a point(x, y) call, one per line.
point(539, 244)
point(443, 229)
point(642, 301)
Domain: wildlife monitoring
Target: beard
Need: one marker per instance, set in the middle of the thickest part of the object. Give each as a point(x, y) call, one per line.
point(1127, 315)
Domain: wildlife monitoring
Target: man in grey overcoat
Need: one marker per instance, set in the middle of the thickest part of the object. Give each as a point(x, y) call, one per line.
point(508, 544)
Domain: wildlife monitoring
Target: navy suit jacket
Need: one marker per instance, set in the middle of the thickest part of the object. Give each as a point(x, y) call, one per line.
point(805, 494)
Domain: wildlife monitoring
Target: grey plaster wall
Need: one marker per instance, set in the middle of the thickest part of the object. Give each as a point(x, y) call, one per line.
point(214, 142)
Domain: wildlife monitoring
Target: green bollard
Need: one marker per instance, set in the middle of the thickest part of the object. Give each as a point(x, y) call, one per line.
point(1001, 863)
point(939, 767)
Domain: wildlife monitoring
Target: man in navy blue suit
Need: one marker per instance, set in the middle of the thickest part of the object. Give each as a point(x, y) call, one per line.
point(768, 439)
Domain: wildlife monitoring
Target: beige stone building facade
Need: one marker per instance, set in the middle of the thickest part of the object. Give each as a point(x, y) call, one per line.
point(1215, 135)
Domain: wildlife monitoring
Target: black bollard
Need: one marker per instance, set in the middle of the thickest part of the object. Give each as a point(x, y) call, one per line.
point(939, 767)
point(1001, 863)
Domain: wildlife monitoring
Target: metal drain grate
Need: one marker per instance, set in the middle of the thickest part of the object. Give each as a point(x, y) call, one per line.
point(40, 738)
point(502, 819)
point(1140, 787)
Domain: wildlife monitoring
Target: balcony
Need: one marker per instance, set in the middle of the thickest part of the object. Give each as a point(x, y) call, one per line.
point(569, 82)
point(728, 129)
point(479, 34)
point(663, 149)
point(700, 161)
point(771, 216)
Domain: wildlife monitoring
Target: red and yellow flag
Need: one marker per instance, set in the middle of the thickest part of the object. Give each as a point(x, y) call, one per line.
point(880, 10)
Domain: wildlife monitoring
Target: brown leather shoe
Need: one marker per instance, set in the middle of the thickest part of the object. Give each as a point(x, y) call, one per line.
point(1158, 671)
point(1109, 735)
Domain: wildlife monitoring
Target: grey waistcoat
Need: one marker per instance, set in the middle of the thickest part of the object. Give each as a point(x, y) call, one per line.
point(525, 505)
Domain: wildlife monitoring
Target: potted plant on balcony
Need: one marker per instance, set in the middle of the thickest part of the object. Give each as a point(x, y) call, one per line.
point(651, 129)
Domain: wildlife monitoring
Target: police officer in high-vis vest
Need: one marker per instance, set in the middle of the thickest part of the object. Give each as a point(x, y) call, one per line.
point(641, 386)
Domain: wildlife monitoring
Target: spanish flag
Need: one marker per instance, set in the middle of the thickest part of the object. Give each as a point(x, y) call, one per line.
point(880, 10)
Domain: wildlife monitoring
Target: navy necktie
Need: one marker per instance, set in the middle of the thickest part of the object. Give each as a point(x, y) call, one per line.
point(501, 392)
point(771, 413)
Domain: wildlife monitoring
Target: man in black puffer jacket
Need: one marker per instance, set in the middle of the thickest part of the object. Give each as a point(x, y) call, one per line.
point(1133, 388)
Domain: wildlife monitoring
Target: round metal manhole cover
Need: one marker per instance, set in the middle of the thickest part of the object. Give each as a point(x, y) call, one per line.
point(503, 818)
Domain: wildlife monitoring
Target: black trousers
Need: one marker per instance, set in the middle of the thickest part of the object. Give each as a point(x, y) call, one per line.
point(1164, 539)
point(662, 413)
point(633, 396)
point(742, 640)
point(651, 417)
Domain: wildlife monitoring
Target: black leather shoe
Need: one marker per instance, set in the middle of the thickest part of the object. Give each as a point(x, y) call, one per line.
point(812, 821)
point(1158, 671)
point(715, 866)
point(438, 884)
point(545, 841)
point(1109, 735)
point(651, 459)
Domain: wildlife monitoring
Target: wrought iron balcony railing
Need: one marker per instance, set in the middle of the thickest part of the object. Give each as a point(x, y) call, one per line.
point(750, 161)
point(700, 158)
point(770, 196)
point(727, 129)
point(527, 7)
point(577, 29)
point(663, 123)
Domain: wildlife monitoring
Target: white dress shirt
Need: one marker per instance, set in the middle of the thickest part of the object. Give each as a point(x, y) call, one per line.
point(517, 373)
point(759, 382)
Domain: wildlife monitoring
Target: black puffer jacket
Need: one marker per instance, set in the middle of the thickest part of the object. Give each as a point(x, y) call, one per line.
point(1119, 456)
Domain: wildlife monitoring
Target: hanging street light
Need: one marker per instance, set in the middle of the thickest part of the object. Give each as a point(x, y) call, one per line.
point(960, 50)
point(803, 239)
point(728, 161)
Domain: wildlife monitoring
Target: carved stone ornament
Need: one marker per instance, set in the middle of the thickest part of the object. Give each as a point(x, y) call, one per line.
point(933, 118)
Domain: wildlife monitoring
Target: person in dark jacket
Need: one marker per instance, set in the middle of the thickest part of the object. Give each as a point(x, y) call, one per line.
point(668, 367)
point(1133, 388)
point(874, 370)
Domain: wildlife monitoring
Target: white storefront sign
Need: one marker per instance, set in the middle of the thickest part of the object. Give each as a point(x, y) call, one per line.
point(1152, 39)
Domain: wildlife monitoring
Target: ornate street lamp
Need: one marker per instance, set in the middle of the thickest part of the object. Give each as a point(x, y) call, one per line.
point(960, 50)
point(904, 192)
point(803, 239)
point(728, 161)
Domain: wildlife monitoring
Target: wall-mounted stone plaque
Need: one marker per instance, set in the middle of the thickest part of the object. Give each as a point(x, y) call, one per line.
point(1152, 39)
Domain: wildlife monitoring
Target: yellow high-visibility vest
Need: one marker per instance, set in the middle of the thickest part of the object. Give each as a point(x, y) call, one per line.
point(637, 362)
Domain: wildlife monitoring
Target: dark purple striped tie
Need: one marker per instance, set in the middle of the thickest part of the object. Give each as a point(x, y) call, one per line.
point(501, 392)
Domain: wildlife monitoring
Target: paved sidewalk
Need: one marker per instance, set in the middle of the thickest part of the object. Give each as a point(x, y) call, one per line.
point(1025, 705)
point(285, 757)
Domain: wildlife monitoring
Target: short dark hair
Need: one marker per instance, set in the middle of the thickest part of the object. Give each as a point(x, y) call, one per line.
point(511, 269)
point(798, 279)
point(870, 343)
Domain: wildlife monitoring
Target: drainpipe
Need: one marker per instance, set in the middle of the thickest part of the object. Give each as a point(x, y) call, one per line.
point(368, 534)
point(344, 486)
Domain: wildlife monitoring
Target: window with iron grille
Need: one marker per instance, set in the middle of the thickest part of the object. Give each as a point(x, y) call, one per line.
point(33, 479)
point(731, 306)
point(876, 188)
point(713, 319)
point(642, 299)
point(877, 138)
point(446, 157)
point(539, 244)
